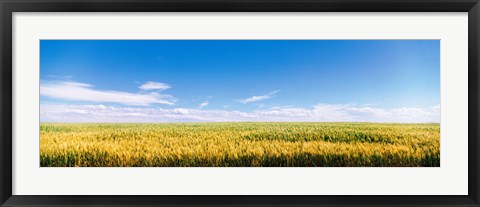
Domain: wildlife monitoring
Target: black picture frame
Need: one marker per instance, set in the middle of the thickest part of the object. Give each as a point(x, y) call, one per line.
point(7, 7)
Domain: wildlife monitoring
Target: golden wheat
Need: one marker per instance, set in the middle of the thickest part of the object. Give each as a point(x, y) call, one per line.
point(239, 144)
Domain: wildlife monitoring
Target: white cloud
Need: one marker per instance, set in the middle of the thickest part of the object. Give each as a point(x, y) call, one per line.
point(319, 113)
point(259, 98)
point(203, 104)
point(150, 85)
point(84, 92)
point(350, 112)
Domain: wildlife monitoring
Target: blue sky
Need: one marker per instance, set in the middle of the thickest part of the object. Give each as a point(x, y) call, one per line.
point(219, 80)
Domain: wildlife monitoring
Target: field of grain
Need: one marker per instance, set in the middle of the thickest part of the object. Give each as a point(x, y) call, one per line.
point(239, 145)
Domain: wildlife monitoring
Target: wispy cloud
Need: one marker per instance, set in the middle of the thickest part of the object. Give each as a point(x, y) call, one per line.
point(259, 98)
point(203, 105)
point(356, 113)
point(150, 85)
point(318, 113)
point(280, 107)
point(85, 92)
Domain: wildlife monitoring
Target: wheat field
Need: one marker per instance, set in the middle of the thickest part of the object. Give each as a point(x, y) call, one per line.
point(244, 144)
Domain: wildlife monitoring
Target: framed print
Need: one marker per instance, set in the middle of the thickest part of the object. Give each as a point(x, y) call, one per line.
point(239, 103)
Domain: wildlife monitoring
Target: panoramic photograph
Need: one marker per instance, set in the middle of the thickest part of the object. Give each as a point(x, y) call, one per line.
point(239, 103)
